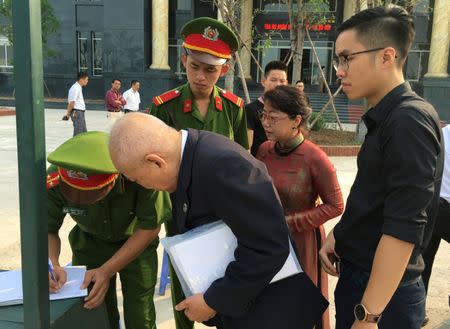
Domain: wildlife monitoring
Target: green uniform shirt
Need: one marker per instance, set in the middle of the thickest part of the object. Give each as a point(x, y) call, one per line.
point(229, 122)
point(127, 207)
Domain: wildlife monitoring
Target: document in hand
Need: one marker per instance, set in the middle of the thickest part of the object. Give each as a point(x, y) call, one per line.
point(11, 286)
point(201, 256)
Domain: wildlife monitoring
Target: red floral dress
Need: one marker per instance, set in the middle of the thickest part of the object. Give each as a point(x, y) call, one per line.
point(302, 178)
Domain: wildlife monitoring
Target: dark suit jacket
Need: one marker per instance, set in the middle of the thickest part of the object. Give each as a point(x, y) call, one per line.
point(219, 179)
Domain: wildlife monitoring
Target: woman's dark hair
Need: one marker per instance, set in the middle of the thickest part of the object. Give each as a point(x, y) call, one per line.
point(290, 100)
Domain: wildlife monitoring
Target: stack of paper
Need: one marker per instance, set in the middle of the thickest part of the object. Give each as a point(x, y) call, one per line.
point(11, 286)
point(201, 256)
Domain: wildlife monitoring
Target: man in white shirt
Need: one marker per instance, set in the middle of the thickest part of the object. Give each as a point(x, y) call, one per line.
point(75, 104)
point(441, 227)
point(132, 97)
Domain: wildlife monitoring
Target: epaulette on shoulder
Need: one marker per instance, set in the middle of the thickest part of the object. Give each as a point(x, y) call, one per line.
point(167, 96)
point(52, 180)
point(232, 97)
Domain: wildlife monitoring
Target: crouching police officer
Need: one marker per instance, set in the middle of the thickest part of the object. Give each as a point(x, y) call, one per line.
point(116, 231)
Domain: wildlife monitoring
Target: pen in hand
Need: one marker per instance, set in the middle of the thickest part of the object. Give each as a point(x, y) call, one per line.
point(52, 272)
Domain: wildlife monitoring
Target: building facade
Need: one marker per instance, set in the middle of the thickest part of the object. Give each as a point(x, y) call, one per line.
point(139, 39)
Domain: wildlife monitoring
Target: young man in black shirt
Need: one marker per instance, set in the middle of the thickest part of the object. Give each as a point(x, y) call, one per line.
point(275, 74)
point(379, 240)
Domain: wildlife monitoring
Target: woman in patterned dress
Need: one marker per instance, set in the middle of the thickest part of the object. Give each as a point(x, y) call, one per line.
point(304, 177)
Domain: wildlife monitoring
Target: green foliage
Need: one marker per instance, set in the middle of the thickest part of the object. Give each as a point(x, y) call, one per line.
point(320, 123)
point(266, 45)
point(312, 11)
point(49, 22)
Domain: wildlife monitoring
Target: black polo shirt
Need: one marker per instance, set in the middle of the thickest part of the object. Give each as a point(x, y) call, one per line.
point(396, 190)
point(252, 111)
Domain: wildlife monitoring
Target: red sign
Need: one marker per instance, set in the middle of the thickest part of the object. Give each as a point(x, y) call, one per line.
point(287, 27)
point(277, 27)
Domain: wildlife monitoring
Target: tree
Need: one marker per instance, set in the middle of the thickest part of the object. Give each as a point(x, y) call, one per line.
point(229, 11)
point(50, 24)
point(303, 15)
point(407, 4)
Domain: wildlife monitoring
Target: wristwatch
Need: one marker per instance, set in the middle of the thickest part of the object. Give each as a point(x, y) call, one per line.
point(361, 314)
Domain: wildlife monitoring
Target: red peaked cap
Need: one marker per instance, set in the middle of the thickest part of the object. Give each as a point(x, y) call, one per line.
point(208, 35)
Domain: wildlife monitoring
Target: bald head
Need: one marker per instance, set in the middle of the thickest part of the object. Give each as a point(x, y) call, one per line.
point(145, 149)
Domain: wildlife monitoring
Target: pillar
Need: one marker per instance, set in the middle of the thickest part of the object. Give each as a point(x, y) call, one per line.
point(436, 82)
point(246, 35)
point(349, 9)
point(440, 41)
point(160, 35)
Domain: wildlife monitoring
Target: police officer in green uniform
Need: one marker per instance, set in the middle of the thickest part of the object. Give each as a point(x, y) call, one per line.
point(116, 231)
point(200, 104)
point(207, 46)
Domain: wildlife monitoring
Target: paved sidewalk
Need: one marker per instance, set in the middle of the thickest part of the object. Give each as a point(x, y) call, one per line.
point(58, 131)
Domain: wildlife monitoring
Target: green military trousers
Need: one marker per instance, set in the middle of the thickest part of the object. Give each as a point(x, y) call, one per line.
point(181, 320)
point(138, 279)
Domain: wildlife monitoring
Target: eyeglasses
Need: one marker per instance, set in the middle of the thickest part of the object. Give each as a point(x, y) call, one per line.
point(271, 120)
point(344, 59)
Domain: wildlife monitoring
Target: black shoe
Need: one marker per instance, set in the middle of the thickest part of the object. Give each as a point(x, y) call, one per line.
point(426, 319)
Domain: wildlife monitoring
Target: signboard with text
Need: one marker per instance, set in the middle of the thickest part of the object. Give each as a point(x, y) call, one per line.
point(278, 24)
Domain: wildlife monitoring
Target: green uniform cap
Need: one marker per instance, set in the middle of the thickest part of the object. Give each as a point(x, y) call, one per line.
point(87, 152)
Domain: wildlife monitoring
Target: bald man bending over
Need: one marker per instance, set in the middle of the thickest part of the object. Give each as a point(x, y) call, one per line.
point(212, 178)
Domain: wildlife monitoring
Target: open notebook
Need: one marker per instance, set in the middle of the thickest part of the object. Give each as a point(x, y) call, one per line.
point(201, 256)
point(11, 286)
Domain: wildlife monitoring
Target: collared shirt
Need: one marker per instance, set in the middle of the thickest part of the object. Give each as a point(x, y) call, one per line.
point(222, 117)
point(133, 99)
point(110, 100)
point(396, 190)
point(184, 136)
point(445, 188)
point(76, 95)
point(126, 208)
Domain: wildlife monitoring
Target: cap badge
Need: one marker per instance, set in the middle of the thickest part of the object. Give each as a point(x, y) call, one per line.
point(77, 175)
point(211, 34)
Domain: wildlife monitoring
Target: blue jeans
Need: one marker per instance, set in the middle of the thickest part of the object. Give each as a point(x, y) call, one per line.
point(79, 123)
point(405, 310)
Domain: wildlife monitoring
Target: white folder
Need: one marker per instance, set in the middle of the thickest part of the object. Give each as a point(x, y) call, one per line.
point(11, 286)
point(201, 256)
